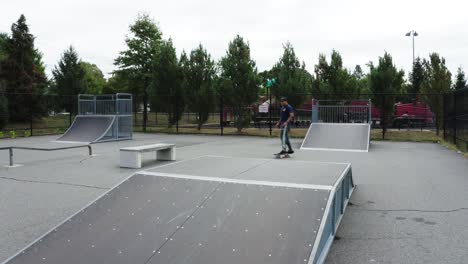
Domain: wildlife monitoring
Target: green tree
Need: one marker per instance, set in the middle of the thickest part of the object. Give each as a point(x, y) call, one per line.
point(293, 80)
point(386, 83)
point(22, 73)
point(358, 73)
point(416, 78)
point(238, 82)
point(360, 83)
point(69, 81)
point(438, 80)
point(137, 62)
point(333, 81)
point(4, 39)
point(198, 83)
point(460, 79)
point(93, 79)
point(166, 89)
point(117, 83)
point(3, 100)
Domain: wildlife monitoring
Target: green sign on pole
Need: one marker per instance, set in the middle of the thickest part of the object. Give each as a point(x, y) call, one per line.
point(270, 82)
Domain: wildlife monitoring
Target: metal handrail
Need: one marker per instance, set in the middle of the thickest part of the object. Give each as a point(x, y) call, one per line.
point(10, 149)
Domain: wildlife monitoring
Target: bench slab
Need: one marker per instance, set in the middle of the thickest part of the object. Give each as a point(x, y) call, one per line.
point(148, 148)
point(130, 157)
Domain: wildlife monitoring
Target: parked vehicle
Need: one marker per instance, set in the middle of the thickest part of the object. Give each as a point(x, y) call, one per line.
point(414, 114)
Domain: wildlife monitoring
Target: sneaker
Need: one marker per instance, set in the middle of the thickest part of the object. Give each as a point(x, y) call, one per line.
point(290, 151)
point(282, 153)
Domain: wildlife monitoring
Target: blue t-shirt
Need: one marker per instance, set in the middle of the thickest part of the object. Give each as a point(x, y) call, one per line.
point(285, 111)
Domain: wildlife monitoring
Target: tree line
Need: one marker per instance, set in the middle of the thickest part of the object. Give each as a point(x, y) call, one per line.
point(162, 81)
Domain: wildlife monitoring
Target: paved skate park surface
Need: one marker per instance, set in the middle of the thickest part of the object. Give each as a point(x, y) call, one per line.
point(409, 206)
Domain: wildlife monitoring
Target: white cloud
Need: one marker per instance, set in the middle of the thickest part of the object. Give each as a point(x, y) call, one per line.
point(360, 30)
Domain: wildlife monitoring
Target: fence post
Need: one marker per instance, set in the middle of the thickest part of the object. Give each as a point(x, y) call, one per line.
point(446, 114)
point(71, 110)
point(384, 121)
point(10, 152)
point(94, 103)
point(454, 118)
point(221, 115)
point(176, 113)
point(315, 111)
point(270, 109)
point(30, 119)
point(369, 112)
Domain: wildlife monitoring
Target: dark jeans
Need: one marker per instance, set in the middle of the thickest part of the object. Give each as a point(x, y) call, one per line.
point(285, 137)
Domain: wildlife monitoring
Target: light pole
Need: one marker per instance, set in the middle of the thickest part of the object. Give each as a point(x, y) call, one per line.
point(413, 34)
point(269, 84)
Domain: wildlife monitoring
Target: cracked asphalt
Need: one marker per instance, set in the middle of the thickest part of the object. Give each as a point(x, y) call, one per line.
point(410, 204)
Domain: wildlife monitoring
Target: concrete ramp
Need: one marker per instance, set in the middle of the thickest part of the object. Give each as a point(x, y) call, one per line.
point(207, 210)
point(88, 129)
point(337, 137)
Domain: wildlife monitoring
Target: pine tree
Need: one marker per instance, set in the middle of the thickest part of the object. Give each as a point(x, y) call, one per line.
point(165, 91)
point(23, 75)
point(293, 80)
point(69, 78)
point(416, 78)
point(3, 99)
point(437, 81)
point(199, 73)
point(460, 79)
point(333, 81)
point(238, 82)
point(385, 82)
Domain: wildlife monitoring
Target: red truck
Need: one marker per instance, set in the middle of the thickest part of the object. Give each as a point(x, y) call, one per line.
point(408, 114)
point(411, 114)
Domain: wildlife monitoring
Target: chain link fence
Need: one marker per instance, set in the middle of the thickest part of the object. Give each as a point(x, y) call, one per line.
point(456, 118)
point(175, 114)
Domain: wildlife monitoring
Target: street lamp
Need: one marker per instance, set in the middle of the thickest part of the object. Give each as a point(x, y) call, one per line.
point(413, 34)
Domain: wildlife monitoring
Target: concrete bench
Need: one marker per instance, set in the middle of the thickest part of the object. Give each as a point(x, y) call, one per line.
point(130, 157)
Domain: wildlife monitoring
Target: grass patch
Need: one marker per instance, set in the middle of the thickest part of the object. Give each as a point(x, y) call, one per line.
point(264, 132)
point(376, 134)
point(27, 133)
point(455, 148)
point(45, 122)
point(405, 135)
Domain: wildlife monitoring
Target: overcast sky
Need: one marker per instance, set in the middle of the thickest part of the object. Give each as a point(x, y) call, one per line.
point(361, 30)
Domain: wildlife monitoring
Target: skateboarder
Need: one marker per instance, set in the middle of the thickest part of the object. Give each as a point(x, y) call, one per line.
point(286, 117)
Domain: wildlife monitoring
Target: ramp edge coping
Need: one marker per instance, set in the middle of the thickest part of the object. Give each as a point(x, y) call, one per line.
point(324, 253)
point(238, 181)
point(335, 149)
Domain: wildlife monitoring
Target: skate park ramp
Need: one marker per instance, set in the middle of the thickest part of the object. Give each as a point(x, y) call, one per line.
point(88, 129)
point(337, 137)
point(206, 210)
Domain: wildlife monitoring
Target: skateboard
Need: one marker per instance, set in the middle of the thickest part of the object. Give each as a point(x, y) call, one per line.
point(282, 156)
